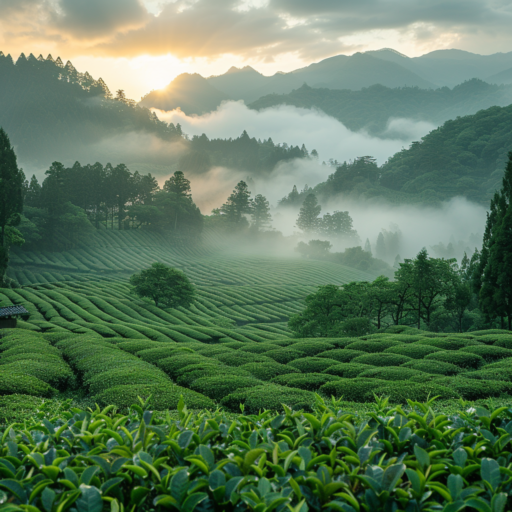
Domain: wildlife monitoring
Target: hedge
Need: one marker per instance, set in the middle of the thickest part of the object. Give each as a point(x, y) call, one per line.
point(284, 355)
point(343, 355)
point(172, 365)
point(394, 373)
point(266, 371)
point(382, 359)
point(238, 358)
point(134, 346)
point(447, 343)
point(414, 351)
point(462, 359)
point(312, 348)
point(219, 386)
point(502, 363)
point(347, 370)
point(473, 389)
point(503, 374)
point(433, 367)
point(363, 390)
point(312, 364)
point(268, 396)
point(56, 374)
point(373, 347)
point(258, 348)
point(489, 353)
point(123, 376)
point(187, 375)
point(153, 355)
point(309, 381)
point(19, 383)
point(163, 397)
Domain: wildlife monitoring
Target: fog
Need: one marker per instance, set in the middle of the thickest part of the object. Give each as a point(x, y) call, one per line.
point(297, 126)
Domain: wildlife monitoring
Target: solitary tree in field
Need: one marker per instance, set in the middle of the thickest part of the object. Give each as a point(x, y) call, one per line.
point(11, 198)
point(238, 203)
point(164, 285)
point(308, 215)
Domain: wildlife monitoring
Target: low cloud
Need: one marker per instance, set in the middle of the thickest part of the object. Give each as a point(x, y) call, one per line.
point(297, 126)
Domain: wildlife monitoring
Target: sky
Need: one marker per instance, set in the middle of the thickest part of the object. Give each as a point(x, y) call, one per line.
point(141, 45)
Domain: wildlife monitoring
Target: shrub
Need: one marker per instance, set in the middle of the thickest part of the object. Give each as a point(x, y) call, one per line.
point(462, 359)
point(267, 371)
point(56, 374)
point(474, 389)
point(126, 375)
point(19, 383)
point(187, 375)
point(382, 359)
point(503, 374)
point(309, 381)
point(312, 364)
point(268, 396)
point(414, 351)
point(352, 390)
point(172, 365)
point(347, 370)
point(214, 350)
point(134, 346)
point(394, 373)
point(312, 348)
point(284, 355)
point(500, 341)
point(219, 386)
point(502, 363)
point(373, 347)
point(447, 343)
point(153, 355)
point(433, 367)
point(343, 355)
point(363, 390)
point(240, 358)
point(258, 348)
point(163, 397)
point(489, 353)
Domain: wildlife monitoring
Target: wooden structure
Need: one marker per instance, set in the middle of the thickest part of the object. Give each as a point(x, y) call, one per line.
point(9, 316)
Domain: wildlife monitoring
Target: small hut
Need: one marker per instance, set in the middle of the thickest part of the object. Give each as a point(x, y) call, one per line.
point(9, 316)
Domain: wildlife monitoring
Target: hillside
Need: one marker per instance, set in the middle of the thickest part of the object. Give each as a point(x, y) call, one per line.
point(51, 111)
point(372, 108)
point(190, 92)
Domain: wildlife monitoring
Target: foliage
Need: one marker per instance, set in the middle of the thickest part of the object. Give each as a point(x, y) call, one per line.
point(163, 284)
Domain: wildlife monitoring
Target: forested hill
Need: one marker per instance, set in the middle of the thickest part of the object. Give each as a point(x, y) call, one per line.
point(372, 107)
point(463, 157)
point(45, 105)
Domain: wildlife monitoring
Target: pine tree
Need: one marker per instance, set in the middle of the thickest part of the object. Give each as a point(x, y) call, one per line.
point(493, 276)
point(308, 220)
point(238, 203)
point(11, 197)
point(380, 247)
point(261, 217)
point(367, 247)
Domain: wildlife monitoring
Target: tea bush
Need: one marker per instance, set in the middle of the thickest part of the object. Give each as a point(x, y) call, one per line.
point(309, 381)
point(312, 364)
point(219, 386)
point(383, 359)
point(458, 358)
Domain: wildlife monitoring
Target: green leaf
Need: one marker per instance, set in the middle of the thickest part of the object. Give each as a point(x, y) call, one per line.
point(138, 494)
point(499, 501)
point(460, 457)
point(179, 485)
point(185, 438)
point(422, 456)
point(490, 472)
point(192, 501)
point(15, 487)
point(455, 485)
point(88, 474)
point(47, 499)
point(90, 500)
point(391, 476)
point(250, 457)
point(216, 479)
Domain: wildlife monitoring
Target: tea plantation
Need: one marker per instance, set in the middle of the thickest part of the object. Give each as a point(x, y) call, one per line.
point(80, 377)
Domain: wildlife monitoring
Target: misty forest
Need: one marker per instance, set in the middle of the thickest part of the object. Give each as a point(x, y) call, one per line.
point(287, 290)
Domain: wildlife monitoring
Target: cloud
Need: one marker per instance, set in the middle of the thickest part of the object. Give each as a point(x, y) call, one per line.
point(297, 126)
point(253, 30)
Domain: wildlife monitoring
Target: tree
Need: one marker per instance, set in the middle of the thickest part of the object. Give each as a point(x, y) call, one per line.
point(261, 217)
point(11, 198)
point(308, 215)
point(316, 249)
point(238, 203)
point(493, 276)
point(337, 225)
point(163, 284)
point(380, 247)
point(179, 193)
point(368, 247)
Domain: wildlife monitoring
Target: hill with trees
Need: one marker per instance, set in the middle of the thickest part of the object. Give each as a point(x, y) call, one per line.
point(372, 108)
point(46, 105)
point(463, 157)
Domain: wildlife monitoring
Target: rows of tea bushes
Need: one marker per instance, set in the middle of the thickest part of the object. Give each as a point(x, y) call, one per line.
point(265, 374)
point(401, 459)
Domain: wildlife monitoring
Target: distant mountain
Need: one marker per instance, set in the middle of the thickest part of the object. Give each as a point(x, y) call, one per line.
point(386, 67)
point(51, 111)
point(371, 108)
point(505, 77)
point(190, 92)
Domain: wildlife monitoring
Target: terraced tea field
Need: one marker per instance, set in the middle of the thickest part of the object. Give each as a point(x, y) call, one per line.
point(88, 335)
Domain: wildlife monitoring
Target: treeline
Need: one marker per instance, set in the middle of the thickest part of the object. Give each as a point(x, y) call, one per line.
point(243, 152)
point(371, 108)
point(434, 293)
point(72, 202)
point(48, 106)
